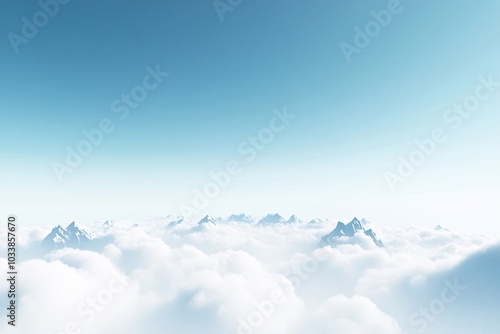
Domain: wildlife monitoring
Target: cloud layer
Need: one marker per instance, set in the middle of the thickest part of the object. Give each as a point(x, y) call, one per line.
point(240, 278)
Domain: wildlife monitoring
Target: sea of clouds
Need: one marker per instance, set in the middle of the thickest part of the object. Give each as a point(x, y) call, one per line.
point(234, 278)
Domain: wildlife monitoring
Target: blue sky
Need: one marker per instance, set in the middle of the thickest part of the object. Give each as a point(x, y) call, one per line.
point(353, 120)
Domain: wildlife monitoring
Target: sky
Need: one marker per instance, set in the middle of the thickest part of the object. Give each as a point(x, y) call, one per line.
point(353, 117)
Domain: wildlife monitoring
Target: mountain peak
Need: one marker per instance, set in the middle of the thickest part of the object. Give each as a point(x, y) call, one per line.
point(356, 221)
point(58, 228)
point(73, 236)
point(272, 219)
point(350, 230)
point(73, 225)
point(293, 220)
point(340, 225)
point(207, 220)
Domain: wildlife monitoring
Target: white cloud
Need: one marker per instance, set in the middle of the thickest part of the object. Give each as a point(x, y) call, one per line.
point(356, 315)
point(223, 279)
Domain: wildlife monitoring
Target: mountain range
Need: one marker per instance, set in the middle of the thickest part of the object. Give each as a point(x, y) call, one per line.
point(75, 236)
point(273, 219)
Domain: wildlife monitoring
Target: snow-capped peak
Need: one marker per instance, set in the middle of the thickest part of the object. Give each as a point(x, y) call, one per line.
point(207, 220)
point(271, 219)
point(74, 226)
point(349, 230)
point(74, 235)
point(293, 220)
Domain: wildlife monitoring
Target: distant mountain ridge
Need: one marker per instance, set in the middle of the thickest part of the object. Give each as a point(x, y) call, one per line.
point(242, 218)
point(75, 236)
point(273, 219)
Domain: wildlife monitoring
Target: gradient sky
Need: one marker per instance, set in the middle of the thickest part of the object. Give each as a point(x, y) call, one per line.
point(353, 120)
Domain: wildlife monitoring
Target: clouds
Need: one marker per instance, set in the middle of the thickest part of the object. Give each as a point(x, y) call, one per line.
point(463, 299)
point(51, 290)
point(354, 315)
point(239, 278)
